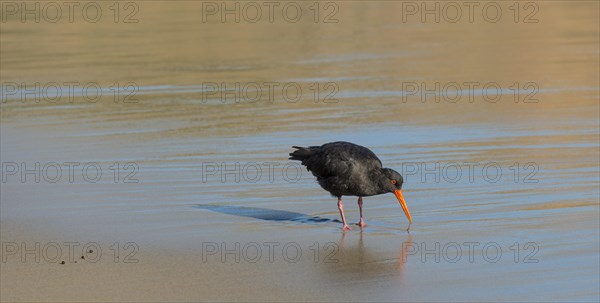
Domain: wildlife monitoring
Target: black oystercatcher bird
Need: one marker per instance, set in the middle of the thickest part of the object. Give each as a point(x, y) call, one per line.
point(347, 169)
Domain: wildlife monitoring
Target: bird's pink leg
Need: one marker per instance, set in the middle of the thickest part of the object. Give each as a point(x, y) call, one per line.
point(341, 208)
point(361, 223)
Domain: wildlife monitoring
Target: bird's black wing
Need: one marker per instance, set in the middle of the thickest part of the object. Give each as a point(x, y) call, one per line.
point(336, 159)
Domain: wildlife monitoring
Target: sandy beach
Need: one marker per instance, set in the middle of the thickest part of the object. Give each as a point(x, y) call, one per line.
point(176, 186)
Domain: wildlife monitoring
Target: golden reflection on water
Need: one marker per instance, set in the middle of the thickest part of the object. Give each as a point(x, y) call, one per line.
point(369, 51)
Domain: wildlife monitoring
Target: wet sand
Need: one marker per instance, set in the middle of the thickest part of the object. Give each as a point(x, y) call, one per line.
point(177, 223)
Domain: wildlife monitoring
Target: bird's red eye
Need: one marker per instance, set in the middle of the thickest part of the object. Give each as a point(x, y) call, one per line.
point(393, 181)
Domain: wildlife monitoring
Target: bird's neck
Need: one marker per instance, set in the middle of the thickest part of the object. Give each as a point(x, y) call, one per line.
point(383, 183)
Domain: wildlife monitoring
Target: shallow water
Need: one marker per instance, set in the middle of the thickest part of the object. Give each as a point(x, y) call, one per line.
point(515, 176)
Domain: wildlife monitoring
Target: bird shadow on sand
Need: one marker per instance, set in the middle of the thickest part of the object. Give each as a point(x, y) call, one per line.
point(265, 213)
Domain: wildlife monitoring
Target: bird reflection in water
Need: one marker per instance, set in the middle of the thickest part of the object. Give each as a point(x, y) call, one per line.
point(353, 260)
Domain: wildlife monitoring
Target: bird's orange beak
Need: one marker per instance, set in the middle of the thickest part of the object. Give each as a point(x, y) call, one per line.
point(398, 194)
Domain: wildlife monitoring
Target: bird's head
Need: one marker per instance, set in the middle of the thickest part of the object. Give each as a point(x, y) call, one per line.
point(393, 183)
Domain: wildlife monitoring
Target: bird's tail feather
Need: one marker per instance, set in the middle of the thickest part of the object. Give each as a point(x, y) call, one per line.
point(301, 153)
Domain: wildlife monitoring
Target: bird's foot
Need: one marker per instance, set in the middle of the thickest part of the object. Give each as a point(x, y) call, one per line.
point(346, 227)
point(361, 224)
